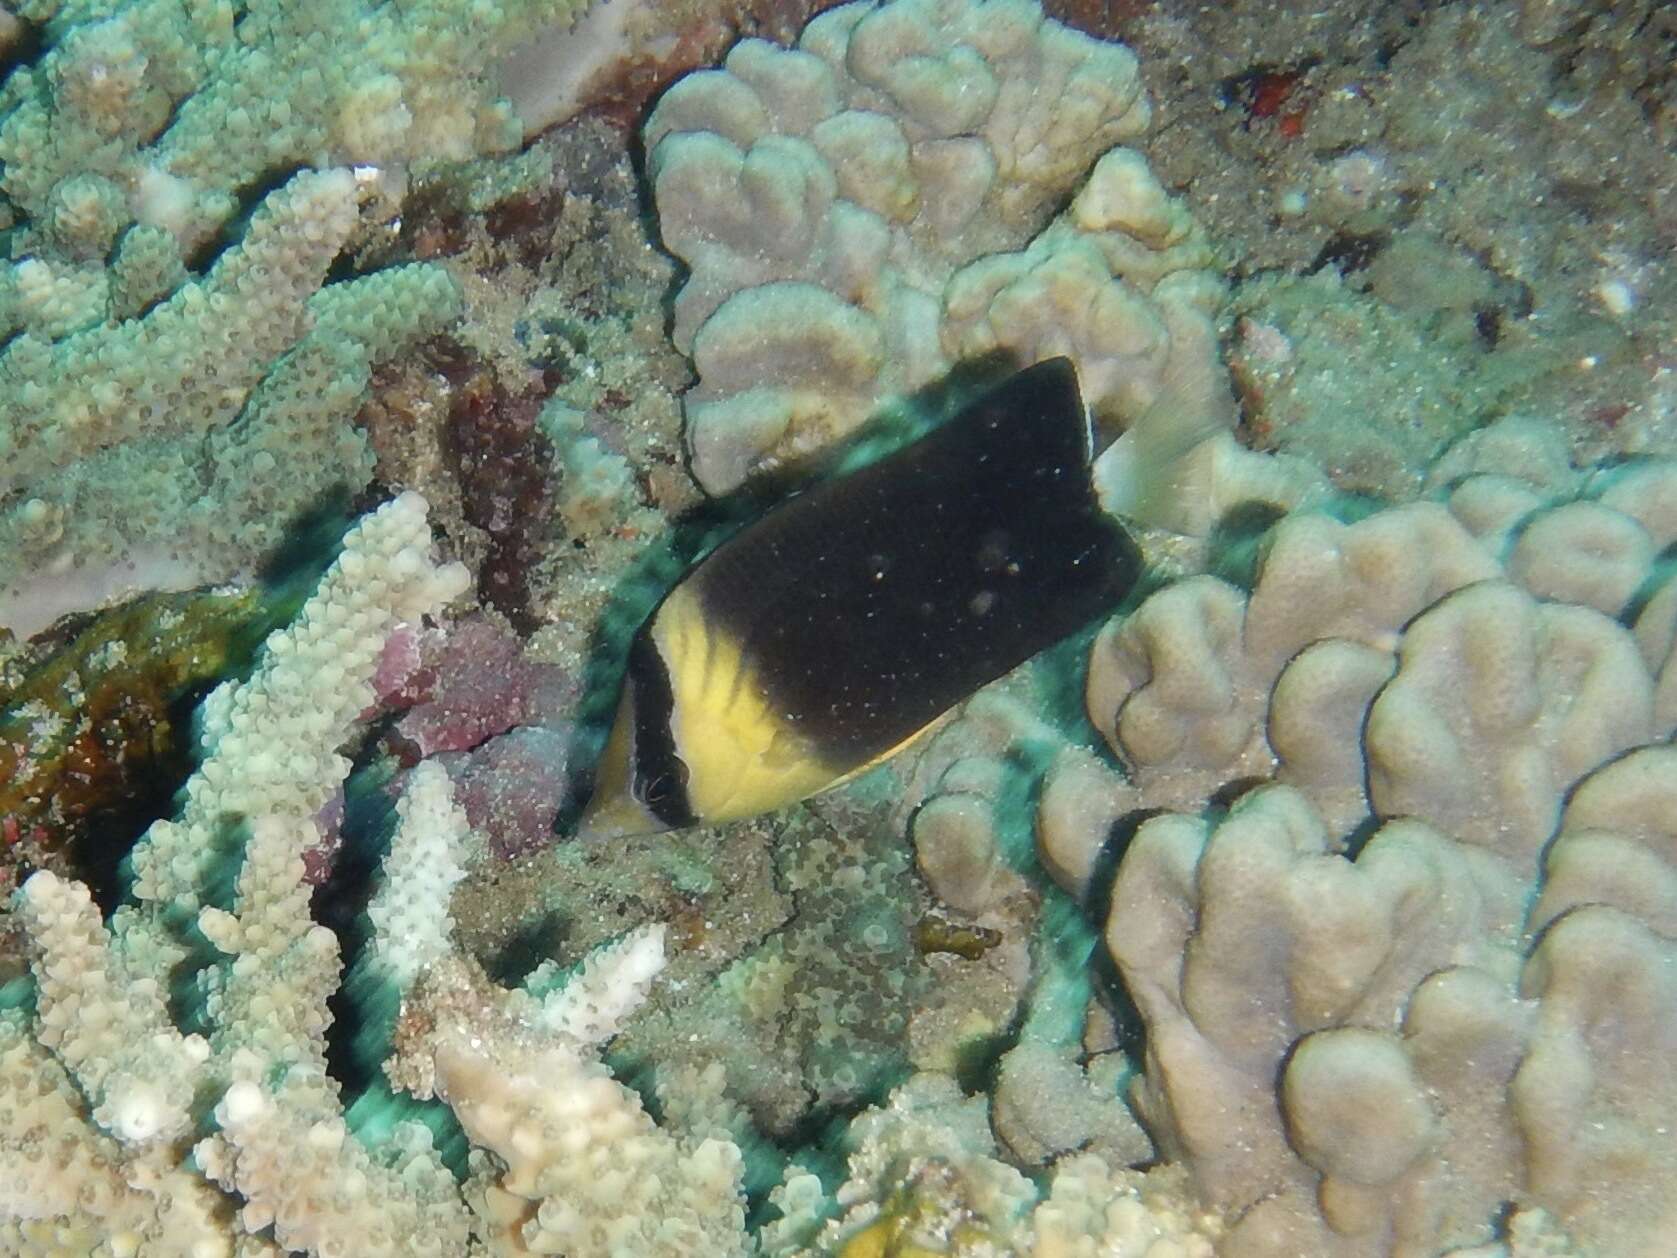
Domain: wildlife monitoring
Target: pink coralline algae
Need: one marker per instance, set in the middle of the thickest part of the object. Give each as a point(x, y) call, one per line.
point(464, 687)
point(513, 786)
point(499, 721)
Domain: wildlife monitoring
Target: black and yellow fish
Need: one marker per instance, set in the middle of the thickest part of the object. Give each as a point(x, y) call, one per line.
point(829, 634)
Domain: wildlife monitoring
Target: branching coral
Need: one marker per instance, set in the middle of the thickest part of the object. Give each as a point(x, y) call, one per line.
point(145, 407)
point(1402, 956)
point(105, 1052)
point(185, 414)
point(166, 114)
point(102, 1083)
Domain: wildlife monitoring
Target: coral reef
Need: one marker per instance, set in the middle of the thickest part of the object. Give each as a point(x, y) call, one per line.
point(146, 398)
point(861, 212)
point(924, 1178)
point(552, 498)
point(520, 1080)
point(501, 459)
point(1491, 181)
point(1363, 987)
point(1331, 881)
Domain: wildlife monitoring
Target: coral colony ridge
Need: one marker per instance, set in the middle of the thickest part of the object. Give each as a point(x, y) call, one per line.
point(1321, 901)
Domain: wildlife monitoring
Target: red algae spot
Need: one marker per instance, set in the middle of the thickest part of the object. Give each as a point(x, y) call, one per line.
point(1609, 414)
point(1271, 91)
point(468, 685)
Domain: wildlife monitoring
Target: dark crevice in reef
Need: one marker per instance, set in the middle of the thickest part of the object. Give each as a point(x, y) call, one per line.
point(1097, 907)
point(29, 44)
point(1349, 252)
point(252, 198)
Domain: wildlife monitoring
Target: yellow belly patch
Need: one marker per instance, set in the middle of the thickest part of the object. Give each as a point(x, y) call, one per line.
point(743, 757)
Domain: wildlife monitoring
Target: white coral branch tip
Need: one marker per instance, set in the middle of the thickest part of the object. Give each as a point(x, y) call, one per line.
point(611, 985)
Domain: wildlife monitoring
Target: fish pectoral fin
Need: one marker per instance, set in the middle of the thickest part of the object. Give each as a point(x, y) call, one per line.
point(784, 772)
point(784, 752)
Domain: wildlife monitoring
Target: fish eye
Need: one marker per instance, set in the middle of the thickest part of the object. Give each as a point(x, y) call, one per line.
point(656, 790)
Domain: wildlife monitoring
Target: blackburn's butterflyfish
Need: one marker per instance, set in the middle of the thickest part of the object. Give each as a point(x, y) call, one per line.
point(845, 622)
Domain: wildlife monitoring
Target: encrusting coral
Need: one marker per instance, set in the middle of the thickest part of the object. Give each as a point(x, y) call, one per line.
point(1207, 684)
